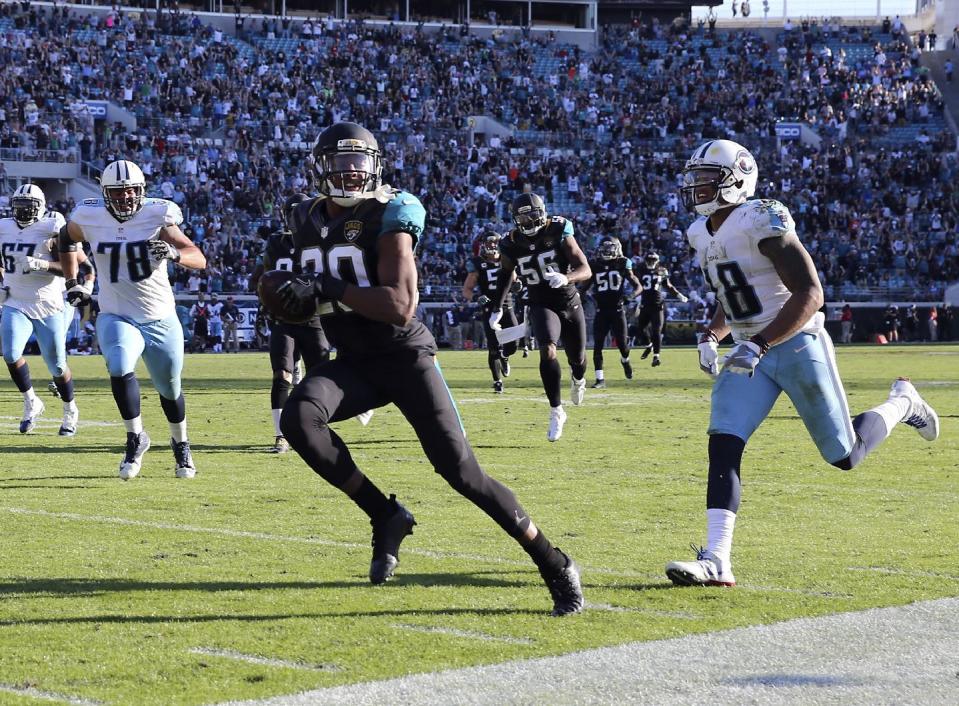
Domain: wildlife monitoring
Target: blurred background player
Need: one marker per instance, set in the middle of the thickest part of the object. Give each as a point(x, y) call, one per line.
point(483, 272)
point(547, 258)
point(770, 296)
point(611, 270)
point(31, 293)
point(132, 239)
point(651, 317)
point(288, 342)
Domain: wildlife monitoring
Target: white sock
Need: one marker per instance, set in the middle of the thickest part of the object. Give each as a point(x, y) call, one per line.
point(178, 430)
point(719, 533)
point(624, 359)
point(276, 421)
point(892, 411)
point(558, 407)
point(70, 406)
point(599, 375)
point(135, 425)
point(30, 395)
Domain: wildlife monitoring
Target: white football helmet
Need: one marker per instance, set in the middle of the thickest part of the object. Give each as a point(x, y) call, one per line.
point(28, 204)
point(117, 180)
point(721, 173)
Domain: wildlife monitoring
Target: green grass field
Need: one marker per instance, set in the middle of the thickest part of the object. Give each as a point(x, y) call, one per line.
point(160, 591)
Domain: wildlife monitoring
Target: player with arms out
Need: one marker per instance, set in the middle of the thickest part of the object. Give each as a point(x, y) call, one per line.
point(611, 270)
point(31, 294)
point(651, 317)
point(132, 239)
point(358, 237)
point(288, 342)
point(483, 272)
point(549, 261)
point(770, 297)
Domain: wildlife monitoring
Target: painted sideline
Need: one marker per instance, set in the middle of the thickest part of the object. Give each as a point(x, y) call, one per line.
point(881, 656)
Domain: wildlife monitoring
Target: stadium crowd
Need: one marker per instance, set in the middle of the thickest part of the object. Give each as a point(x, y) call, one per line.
point(224, 127)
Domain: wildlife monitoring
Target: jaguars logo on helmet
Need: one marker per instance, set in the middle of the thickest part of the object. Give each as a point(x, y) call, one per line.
point(346, 163)
point(529, 213)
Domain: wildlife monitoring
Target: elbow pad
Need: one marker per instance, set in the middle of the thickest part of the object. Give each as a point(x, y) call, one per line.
point(65, 243)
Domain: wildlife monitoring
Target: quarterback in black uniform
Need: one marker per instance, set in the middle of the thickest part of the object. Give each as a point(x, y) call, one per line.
point(611, 271)
point(358, 239)
point(543, 251)
point(288, 342)
point(483, 271)
point(654, 279)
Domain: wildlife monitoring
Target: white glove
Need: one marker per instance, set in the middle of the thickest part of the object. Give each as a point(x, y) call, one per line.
point(709, 355)
point(682, 298)
point(494, 320)
point(26, 264)
point(161, 250)
point(556, 279)
point(743, 358)
point(79, 293)
point(4, 295)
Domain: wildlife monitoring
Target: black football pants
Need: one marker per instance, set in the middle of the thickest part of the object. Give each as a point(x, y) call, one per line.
point(343, 388)
point(654, 317)
point(606, 321)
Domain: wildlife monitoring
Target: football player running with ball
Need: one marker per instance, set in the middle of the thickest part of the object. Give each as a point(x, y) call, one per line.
point(770, 298)
point(484, 273)
point(358, 238)
point(611, 271)
point(547, 258)
point(132, 239)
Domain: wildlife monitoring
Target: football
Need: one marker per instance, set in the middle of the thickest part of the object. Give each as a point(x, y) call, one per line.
point(267, 288)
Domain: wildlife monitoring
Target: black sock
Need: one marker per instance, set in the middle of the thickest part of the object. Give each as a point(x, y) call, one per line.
point(280, 392)
point(870, 431)
point(65, 388)
point(725, 458)
point(578, 370)
point(126, 392)
point(544, 554)
point(20, 376)
point(551, 375)
point(175, 410)
point(495, 367)
point(371, 500)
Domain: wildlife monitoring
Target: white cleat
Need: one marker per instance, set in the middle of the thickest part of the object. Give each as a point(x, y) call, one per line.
point(71, 416)
point(577, 389)
point(920, 416)
point(298, 372)
point(557, 418)
point(32, 409)
point(707, 570)
point(364, 417)
point(137, 445)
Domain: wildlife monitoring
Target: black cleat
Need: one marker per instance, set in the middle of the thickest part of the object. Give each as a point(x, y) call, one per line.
point(526, 351)
point(599, 385)
point(504, 365)
point(628, 370)
point(646, 351)
point(498, 387)
point(656, 361)
point(564, 587)
point(387, 536)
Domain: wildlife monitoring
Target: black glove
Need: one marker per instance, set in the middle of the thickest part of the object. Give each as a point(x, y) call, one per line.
point(482, 300)
point(78, 294)
point(305, 290)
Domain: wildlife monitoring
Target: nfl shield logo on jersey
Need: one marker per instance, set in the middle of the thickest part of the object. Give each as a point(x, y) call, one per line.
point(352, 230)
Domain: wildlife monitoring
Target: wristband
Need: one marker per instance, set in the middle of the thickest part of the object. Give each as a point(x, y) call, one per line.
point(760, 341)
point(708, 336)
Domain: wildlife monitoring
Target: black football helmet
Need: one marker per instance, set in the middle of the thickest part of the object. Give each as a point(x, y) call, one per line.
point(346, 163)
point(610, 249)
point(286, 210)
point(529, 213)
point(489, 246)
point(652, 259)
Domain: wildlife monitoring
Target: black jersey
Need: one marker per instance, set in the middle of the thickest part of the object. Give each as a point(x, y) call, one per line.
point(653, 279)
point(536, 255)
point(346, 247)
point(278, 252)
point(609, 281)
point(486, 273)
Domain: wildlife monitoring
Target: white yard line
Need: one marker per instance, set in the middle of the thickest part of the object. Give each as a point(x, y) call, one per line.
point(264, 661)
point(54, 423)
point(468, 634)
point(904, 572)
point(33, 693)
point(880, 656)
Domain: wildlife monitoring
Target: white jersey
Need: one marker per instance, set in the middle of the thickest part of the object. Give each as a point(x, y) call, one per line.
point(745, 281)
point(131, 283)
point(36, 294)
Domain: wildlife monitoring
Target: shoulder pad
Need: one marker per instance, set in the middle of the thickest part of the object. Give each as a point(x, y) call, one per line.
point(404, 212)
point(768, 218)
